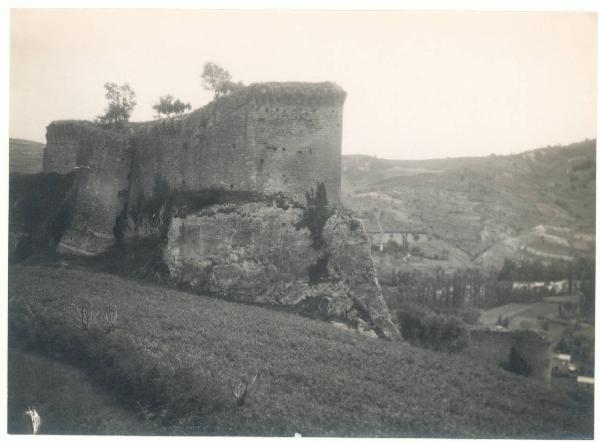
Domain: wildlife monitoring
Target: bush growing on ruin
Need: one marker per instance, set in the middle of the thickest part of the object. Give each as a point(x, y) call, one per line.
point(121, 102)
point(218, 80)
point(314, 217)
point(316, 214)
point(168, 105)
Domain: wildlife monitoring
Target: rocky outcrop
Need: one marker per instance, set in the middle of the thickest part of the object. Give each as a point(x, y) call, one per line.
point(256, 252)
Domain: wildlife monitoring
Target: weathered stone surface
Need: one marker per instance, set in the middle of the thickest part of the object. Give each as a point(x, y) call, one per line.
point(267, 138)
point(255, 253)
point(39, 212)
point(102, 182)
point(350, 261)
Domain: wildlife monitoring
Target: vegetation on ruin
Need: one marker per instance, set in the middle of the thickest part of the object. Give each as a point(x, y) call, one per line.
point(167, 105)
point(218, 80)
point(121, 102)
point(174, 357)
point(315, 215)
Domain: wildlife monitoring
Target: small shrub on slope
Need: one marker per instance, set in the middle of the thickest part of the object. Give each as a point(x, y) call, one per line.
point(425, 328)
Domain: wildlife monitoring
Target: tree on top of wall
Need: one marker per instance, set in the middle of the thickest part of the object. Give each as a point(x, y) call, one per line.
point(167, 105)
point(121, 101)
point(218, 80)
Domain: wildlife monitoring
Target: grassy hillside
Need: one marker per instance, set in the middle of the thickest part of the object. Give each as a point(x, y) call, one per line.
point(173, 356)
point(65, 398)
point(25, 157)
point(535, 204)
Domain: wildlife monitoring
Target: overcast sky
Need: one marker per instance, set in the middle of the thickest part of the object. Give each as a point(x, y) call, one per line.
point(420, 85)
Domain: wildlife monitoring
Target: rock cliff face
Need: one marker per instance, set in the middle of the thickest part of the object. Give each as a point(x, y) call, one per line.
point(256, 252)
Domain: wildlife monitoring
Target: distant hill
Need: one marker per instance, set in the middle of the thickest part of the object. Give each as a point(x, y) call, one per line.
point(25, 157)
point(477, 211)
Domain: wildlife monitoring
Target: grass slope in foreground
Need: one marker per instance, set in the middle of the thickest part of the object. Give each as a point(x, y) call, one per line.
point(65, 398)
point(175, 354)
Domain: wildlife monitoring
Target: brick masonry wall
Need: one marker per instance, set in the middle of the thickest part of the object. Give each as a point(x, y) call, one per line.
point(265, 142)
point(297, 146)
point(206, 149)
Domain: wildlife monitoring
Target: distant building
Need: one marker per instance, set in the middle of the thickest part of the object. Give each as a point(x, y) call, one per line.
point(562, 365)
point(585, 382)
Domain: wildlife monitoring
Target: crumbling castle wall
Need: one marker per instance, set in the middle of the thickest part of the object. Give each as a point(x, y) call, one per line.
point(271, 138)
point(263, 147)
point(102, 164)
point(268, 138)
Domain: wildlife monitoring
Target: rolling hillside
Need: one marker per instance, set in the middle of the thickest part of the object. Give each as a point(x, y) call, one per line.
point(477, 211)
point(172, 358)
point(25, 157)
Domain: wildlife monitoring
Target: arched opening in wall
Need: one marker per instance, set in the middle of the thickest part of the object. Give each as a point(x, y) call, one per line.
point(285, 180)
point(310, 151)
point(233, 146)
point(231, 186)
point(261, 165)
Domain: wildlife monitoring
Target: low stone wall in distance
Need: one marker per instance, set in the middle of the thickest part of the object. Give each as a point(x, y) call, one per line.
point(493, 346)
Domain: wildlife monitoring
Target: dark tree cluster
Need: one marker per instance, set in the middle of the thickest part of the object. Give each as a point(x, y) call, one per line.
point(449, 290)
point(535, 270)
point(168, 105)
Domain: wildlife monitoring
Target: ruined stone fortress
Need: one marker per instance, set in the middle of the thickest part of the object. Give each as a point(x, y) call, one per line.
point(268, 137)
point(253, 145)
